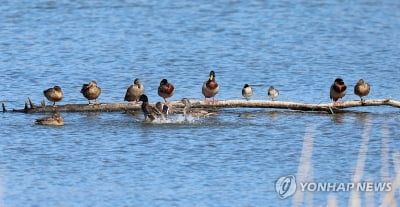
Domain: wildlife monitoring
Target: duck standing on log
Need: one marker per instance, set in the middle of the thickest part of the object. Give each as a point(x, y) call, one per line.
point(54, 94)
point(134, 91)
point(338, 90)
point(91, 91)
point(166, 90)
point(361, 89)
point(247, 91)
point(54, 120)
point(210, 87)
point(272, 92)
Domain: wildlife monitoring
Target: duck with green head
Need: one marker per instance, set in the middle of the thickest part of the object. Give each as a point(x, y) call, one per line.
point(150, 113)
point(210, 87)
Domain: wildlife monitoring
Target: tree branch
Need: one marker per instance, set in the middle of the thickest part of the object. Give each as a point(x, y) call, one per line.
point(122, 107)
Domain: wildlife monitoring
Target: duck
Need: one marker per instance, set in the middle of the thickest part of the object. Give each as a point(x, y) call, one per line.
point(162, 109)
point(134, 91)
point(210, 87)
point(338, 90)
point(186, 107)
point(166, 90)
point(54, 120)
point(188, 111)
point(247, 91)
point(54, 94)
point(273, 92)
point(91, 91)
point(150, 113)
point(361, 89)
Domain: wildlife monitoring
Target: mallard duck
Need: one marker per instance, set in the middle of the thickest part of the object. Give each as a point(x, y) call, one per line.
point(187, 109)
point(54, 120)
point(210, 87)
point(361, 89)
point(273, 92)
point(54, 94)
point(247, 91)
point(150, 113)
point(162, 109)
point(166, 90)
point(91, 91)
point(338, 89)
point(134, 91)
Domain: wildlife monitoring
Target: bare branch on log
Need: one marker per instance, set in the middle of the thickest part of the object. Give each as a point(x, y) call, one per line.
point(4, 107)
point(31, 105)
point(122, 107)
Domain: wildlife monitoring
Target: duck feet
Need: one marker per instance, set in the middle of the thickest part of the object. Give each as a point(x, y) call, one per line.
point(335, 103)
point(210, 101)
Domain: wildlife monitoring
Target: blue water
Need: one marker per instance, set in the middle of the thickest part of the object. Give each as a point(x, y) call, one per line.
point(230, 159)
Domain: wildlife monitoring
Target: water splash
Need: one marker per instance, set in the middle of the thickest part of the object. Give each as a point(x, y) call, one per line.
point(177, 119)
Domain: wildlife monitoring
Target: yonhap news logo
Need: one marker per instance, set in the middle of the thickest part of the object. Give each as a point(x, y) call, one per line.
point(286, 186)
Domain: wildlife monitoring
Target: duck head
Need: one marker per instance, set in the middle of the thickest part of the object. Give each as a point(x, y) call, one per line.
point(339, 81)
point(143, 98)
point(163, 82)
point(136, 81)
point(57, 88)
point(212, 75)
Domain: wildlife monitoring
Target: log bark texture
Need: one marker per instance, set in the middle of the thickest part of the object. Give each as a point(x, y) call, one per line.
point(123, 107)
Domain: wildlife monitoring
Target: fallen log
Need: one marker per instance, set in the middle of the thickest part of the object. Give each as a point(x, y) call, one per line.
point(124, 107)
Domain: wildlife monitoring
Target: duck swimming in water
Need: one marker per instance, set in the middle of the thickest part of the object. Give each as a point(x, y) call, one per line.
point(162, 109)
point(91, 91)
point(188, 111)
point(210, 87)
point(54, 94)
point(150, 113)
point(134, 91)
point(54, 120)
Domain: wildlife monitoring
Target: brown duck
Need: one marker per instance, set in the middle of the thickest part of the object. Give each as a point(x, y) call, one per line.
point(91, 91)
point(210, 87)
point(166, 90)
point(338, 89)
point(150, 113)
point(134, 91)
point(54, 120)
point(54, 94)
point(188, 111)
point(361, 89)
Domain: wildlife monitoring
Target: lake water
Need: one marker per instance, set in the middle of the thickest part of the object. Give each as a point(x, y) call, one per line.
point(231, 159)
